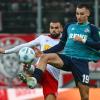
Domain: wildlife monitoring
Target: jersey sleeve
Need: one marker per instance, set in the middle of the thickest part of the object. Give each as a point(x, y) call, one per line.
point(61, 44)
point(29, 44)
point(94, 42)
point(65, 34)
point(55, 48)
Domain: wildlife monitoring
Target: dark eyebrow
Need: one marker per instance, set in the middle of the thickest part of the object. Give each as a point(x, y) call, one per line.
point(54, 27)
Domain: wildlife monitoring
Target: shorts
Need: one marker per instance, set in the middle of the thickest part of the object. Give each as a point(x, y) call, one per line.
point(49, 84)
point(78, 67)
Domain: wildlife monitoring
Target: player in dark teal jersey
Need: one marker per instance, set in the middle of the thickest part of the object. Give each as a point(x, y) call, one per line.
point(80, 43)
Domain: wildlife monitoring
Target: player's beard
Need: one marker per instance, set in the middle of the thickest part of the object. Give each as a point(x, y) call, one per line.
point(54, 35)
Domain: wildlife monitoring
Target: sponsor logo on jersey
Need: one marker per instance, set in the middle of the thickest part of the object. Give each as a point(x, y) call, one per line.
point(72, 36)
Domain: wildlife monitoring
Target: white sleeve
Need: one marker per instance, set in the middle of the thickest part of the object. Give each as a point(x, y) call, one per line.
point(29, 44)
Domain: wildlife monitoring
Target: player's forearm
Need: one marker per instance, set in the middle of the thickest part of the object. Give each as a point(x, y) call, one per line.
point(56, 48)
point(14, 50)
point(93, 44)
point(17, 48)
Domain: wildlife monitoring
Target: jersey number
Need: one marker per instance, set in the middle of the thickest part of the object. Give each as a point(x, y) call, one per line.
point(85, 78)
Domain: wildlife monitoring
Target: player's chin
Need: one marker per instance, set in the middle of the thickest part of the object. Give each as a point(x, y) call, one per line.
point(55, 35)
point(80, 22)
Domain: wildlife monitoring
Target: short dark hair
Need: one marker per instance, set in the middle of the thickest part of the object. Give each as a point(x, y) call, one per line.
point(83, 5)
point(55, 21)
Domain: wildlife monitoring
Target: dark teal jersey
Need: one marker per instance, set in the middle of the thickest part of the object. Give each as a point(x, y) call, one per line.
point(88, 50)
point(76, 49)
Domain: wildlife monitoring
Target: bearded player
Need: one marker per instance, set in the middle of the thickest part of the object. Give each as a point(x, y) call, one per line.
point(49, 80)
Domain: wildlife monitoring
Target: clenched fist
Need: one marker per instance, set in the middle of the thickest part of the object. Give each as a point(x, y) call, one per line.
point(38, 53)
point(79, 39)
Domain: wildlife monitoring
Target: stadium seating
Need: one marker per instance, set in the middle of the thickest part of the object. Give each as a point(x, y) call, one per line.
point(20, 16)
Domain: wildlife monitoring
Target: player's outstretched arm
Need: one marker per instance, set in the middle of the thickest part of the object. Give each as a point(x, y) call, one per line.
point(28, 44)
point(88, 42)
point(93, 44)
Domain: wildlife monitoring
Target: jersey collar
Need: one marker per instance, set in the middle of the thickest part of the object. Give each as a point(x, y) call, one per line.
point(83, 24)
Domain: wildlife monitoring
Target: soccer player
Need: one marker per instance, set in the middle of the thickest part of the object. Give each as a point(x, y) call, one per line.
point(49, 80)
point(79, 44)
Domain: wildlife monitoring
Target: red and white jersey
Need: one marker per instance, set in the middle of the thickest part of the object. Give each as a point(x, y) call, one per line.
point(45, 42)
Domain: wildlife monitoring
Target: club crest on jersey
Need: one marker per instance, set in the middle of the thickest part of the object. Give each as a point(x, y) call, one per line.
point(86, 30)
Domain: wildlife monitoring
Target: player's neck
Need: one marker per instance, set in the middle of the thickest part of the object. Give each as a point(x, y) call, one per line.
point(84, 23)
point(54, 37)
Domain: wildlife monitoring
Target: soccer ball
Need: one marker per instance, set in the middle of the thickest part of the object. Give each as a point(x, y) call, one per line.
point(26, 55)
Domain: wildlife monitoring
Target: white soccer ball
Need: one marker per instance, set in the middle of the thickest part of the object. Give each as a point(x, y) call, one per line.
point(26, 55)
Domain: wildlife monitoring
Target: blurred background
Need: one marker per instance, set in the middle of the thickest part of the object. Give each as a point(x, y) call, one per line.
point(23, 20)
point(26, 16)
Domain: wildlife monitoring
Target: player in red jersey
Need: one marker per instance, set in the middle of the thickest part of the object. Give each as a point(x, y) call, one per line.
point(50, 78)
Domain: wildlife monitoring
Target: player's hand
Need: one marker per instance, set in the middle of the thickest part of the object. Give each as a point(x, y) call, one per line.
point(2, 50)
point(26, 67)
point(38, 53)
point(78, 38)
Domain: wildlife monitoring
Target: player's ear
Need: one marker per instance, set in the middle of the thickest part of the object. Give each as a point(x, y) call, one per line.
point(88, 13)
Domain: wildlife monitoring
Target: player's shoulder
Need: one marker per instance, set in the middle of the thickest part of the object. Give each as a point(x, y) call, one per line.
point(47, 35)
point(93, 27)
point(44, 35)
point(69, 24)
